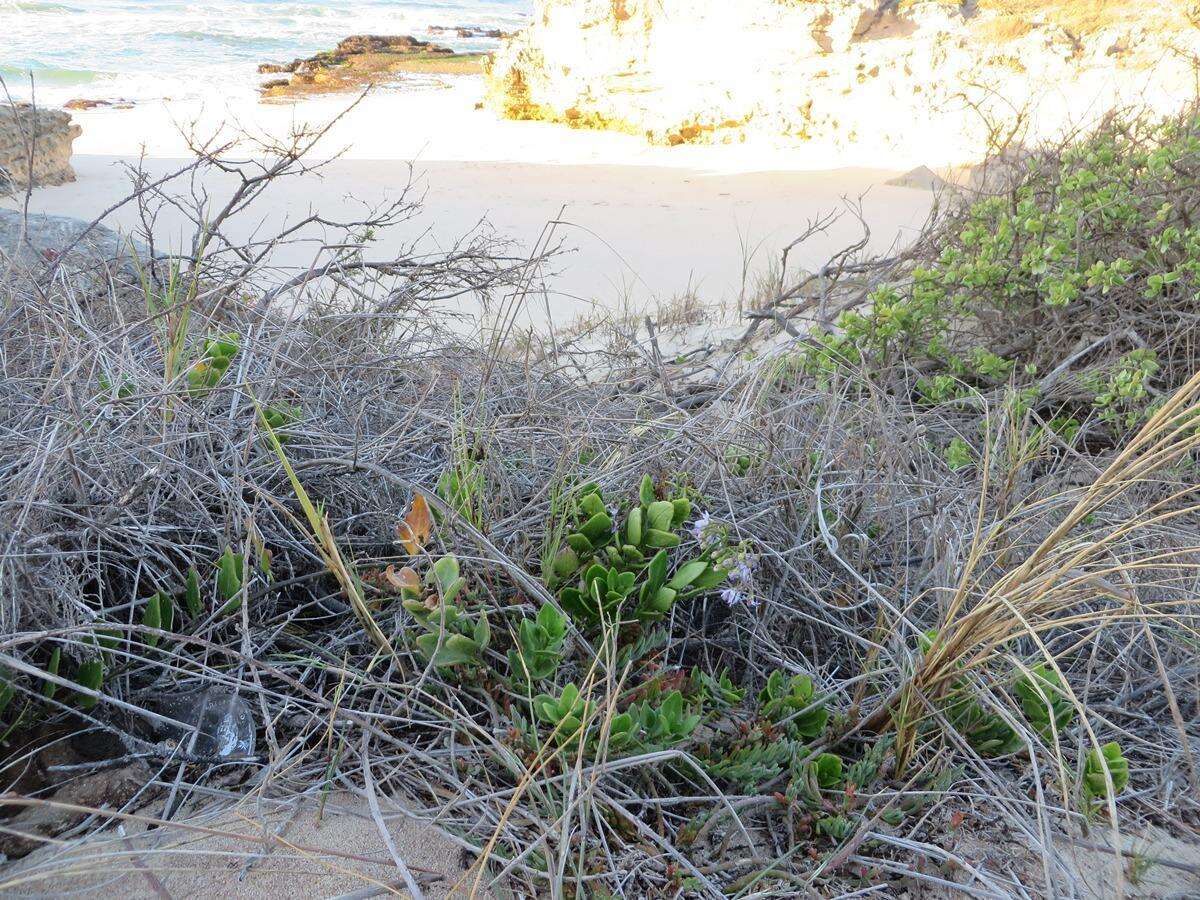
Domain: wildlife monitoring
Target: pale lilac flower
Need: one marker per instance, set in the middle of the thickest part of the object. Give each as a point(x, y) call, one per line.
point(742, 573)
point(700, 526)
point(732, 596)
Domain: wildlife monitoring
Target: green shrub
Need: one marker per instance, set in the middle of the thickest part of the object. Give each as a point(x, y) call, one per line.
point(1089, 240)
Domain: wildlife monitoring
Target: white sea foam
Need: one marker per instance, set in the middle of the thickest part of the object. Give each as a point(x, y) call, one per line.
point(147, 49)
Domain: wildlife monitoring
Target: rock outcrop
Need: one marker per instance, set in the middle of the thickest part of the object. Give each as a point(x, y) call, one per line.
point(930, 83)
point(361, 60)
point(99, 261)
point(49, 132)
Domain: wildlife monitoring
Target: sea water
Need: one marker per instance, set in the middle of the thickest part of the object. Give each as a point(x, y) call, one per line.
point(150, 49)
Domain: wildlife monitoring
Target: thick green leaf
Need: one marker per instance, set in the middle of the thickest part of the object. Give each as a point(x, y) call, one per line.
point(657, 538)
point(579, 543)
point(49, 688)
point(687, 573)
point(90, 675)
point(597, 529)
point(633, 526)
point(152, 618)
point(591, 505)
point(646, 493)
point(566, 562)
point(229, 573)
point(445, 572)
point(191, 594)
point(483, 631)
point(456, 650)
point(656, 572)
point(659, 515)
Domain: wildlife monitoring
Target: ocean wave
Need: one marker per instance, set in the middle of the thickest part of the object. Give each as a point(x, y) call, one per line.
point(37, 6)
point(103, 44)
point(48, 75)
point(223, 39)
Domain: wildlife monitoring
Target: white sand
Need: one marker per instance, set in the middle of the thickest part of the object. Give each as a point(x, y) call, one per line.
point(645, 223)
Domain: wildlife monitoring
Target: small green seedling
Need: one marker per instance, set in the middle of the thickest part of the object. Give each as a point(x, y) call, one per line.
point(158, 613)
point(191, 594)
point(49, 688)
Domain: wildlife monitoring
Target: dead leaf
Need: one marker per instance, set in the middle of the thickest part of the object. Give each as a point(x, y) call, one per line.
point(404, 580)
point(414, 530)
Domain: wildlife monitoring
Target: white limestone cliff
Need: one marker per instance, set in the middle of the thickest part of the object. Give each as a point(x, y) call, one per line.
point(927, 82)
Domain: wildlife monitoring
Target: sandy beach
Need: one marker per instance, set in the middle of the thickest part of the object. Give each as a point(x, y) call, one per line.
point(631, 214)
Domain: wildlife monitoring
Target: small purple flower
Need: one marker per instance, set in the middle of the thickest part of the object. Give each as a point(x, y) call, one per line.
point(742, 573)
point(732, 597)
point(700, 526)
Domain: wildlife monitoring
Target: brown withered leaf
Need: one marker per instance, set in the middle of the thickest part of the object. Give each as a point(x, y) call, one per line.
point(416, 526)
point(405, 579)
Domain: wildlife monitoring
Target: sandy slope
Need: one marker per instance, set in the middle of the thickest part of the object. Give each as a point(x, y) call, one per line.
point(643, 223)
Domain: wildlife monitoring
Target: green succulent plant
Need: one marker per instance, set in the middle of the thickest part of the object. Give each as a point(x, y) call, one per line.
point(191, 594)
point(622, 732)
point(1109, 757)
point(836, 828)
point(279, 416)
point(452, 638)
point(864, 770)
point(565, 714)
point(719, 688)
point(158, 613)
point(787, 700)
point(601, 565)
point(1044, 702)
point(214, 360)
point(752, 765)
point(826, 770)
point(538, 653)
point(665, 724)
point(985, 731)
point(599, 594)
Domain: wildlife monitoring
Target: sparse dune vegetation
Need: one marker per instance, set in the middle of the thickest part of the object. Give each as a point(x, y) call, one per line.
point(887, 587)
